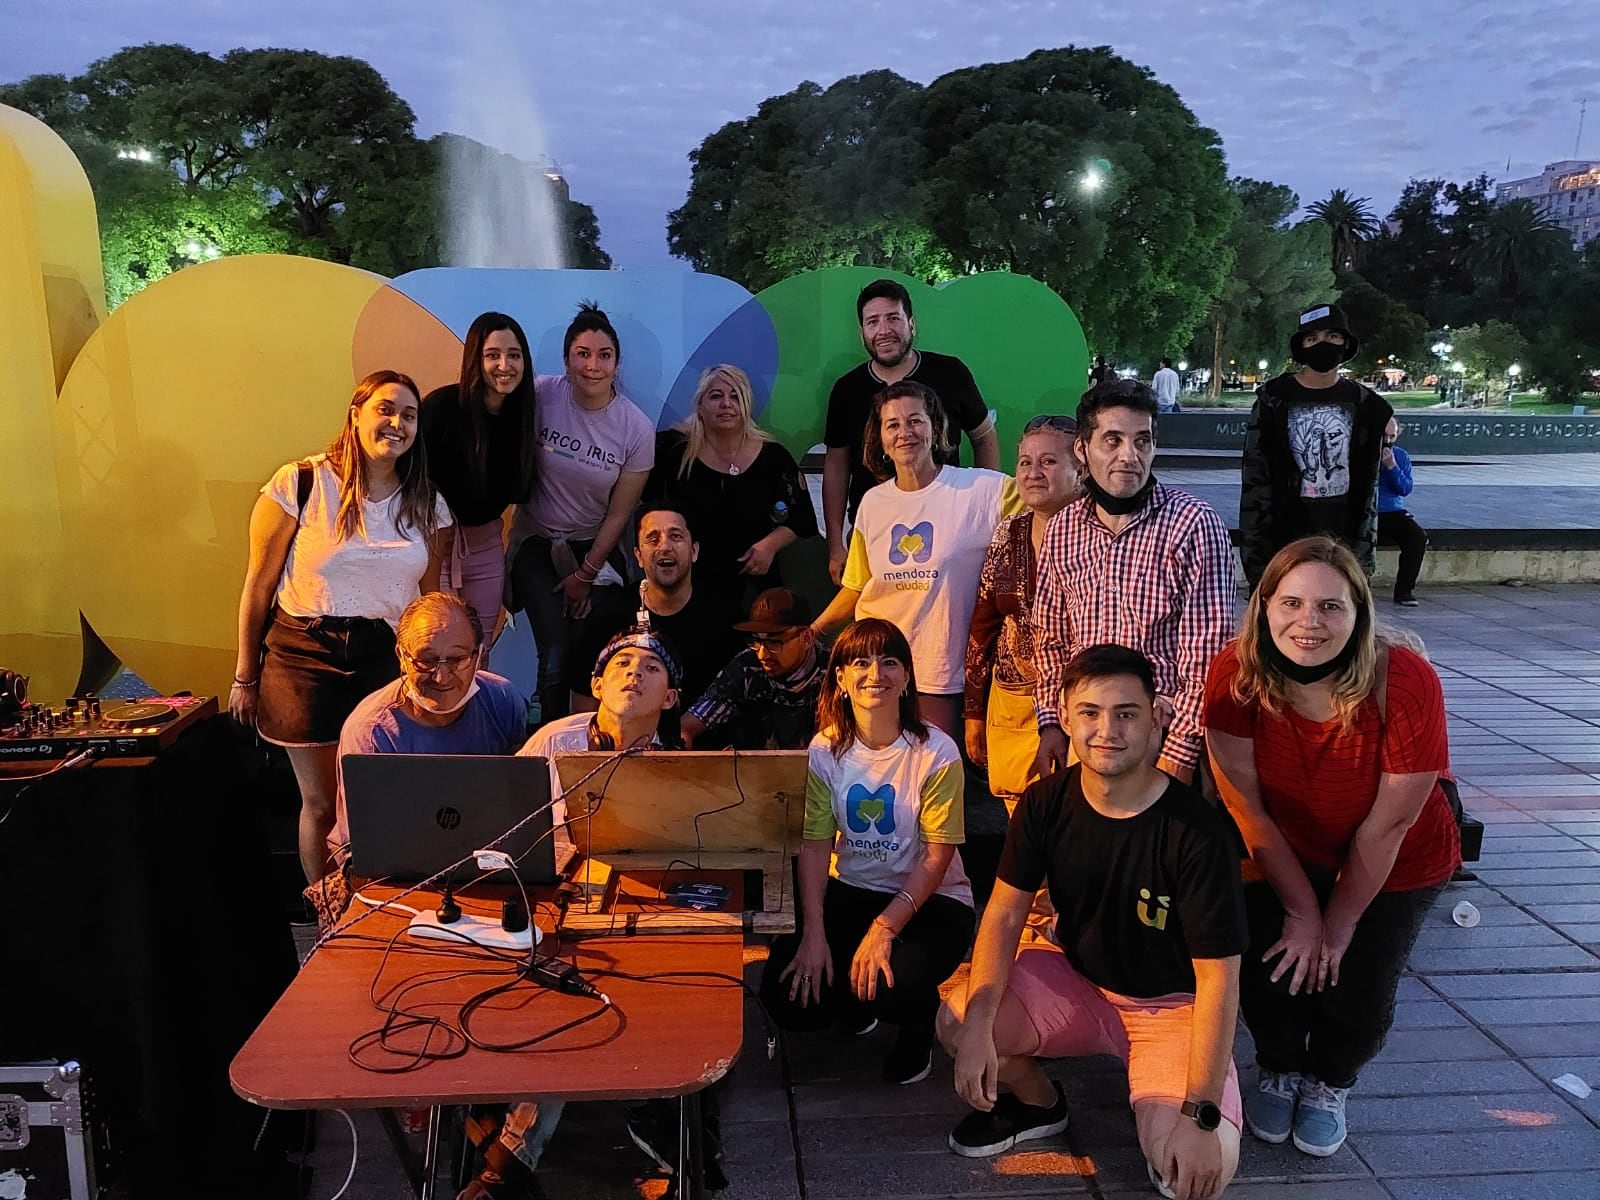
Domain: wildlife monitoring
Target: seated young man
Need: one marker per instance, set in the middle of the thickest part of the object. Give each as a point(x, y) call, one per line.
point(635, 678)
point(766, 697)
point(1150, 926)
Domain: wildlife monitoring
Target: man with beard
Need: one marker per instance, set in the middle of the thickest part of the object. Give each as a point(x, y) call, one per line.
point(1136, 564)
point(697, 624)
point(887, 332)
point(1150, 928)
point(441, 704)
point(1312, 450)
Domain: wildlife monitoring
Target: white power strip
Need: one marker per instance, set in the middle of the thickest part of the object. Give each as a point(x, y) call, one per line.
point(479, 931)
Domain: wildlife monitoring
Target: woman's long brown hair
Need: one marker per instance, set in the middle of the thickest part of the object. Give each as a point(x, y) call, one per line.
point(870, 637)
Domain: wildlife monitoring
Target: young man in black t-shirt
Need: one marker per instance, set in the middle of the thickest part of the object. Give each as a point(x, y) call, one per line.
point(1150, 927)
point(887, 330)
point(696, 623)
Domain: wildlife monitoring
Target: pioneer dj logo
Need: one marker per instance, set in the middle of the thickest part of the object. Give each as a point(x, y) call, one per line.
point(447, 817)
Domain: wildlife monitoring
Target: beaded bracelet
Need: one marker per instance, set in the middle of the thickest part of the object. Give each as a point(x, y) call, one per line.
point(246, 683)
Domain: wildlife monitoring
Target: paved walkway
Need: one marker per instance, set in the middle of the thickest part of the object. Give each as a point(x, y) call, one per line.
point(1459, 1105)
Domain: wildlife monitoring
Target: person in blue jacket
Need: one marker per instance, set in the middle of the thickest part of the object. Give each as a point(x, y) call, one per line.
point(1397, 527)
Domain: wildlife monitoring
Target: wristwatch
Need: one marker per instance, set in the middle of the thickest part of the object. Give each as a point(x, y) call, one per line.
point(1203, 1113)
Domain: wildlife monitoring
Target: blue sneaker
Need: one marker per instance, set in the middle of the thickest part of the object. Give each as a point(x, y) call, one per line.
point(1319, 1128)
point(1269, 1110)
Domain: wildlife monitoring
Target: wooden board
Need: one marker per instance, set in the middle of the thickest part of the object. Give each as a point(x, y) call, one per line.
point(750, 801)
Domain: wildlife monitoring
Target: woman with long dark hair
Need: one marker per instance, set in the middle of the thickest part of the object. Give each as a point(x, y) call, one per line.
point(1327, 738)
point(482, 437)
point(597, 449)
point(339, 545)
point(892, 917)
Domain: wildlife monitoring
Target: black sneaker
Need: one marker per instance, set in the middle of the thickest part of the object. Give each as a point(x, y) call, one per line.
point(985, 1134)
point(1407, 601)
point(910, 1059)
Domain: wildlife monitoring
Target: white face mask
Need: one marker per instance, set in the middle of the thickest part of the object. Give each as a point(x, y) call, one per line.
point(432, 708)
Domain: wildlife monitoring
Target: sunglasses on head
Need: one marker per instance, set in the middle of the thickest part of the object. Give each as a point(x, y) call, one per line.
point(1051, 421)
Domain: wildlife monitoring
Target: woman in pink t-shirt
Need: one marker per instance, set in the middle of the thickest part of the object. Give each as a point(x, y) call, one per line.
point(1327, 739)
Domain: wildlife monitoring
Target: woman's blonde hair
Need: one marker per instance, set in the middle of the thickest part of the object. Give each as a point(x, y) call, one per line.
point(694, 429)
point(1258, 681)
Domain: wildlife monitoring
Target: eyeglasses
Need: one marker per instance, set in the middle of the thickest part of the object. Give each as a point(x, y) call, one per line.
point(1051, 421)
point(772, 641)
point(432, 666)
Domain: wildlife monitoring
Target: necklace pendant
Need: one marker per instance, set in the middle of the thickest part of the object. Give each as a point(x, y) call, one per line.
point(733, 468)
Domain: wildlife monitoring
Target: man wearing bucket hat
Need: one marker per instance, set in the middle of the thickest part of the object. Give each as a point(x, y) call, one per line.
point(1311, 450)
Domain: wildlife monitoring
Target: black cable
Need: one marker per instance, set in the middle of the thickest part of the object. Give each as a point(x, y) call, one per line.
point(476, 1002)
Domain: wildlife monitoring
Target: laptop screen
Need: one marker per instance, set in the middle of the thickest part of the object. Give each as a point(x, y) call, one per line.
point(413, 815)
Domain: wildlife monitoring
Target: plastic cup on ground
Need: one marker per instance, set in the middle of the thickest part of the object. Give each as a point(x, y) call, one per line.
point(1465, 914)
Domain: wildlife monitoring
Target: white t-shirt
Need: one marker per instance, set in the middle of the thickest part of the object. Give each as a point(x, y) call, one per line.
point(881, 806)
point(564, 735)
point(1165, 385)
point(373, 573)
point(582, 455)
point(915, 557)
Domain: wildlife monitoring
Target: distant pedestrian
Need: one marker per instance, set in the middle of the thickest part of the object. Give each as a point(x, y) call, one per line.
point(1101, 371)
point(1396, 526)
point(1311, 450)
point(1167, 385)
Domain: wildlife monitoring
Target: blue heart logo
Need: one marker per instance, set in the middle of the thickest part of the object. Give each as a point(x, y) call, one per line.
point(864, 808)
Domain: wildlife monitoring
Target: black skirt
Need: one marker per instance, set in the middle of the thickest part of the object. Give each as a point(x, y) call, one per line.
point(316, 670)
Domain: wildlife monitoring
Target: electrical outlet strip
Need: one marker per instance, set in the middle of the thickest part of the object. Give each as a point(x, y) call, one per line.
point(478, 931)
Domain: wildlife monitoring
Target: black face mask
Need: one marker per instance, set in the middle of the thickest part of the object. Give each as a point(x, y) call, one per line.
point(1324, 356)
point(1118, 506)
point(1290, 669)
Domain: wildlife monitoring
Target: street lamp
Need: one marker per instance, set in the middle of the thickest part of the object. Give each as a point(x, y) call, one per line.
point(1262, 366)
point(1092, 179)
point(1513, 371)
point(1183, 364)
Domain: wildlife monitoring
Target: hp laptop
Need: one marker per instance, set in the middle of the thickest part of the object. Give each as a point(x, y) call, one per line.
point(413, 815)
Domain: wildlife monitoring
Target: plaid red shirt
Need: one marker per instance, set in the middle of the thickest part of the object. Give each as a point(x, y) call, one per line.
point(1163, 585)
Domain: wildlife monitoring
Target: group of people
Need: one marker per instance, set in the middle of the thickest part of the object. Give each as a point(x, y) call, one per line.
point(1063, 640)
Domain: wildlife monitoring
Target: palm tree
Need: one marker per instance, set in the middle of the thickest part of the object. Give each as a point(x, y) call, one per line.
point(1514, 239)
point(1351, 220)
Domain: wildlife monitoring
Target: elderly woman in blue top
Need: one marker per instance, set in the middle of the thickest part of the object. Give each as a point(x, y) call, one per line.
point(891, 918)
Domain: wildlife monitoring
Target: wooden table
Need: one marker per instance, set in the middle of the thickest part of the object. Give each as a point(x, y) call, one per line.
point(677, 1038)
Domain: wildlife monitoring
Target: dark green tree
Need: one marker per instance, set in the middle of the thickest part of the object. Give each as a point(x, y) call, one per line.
point(1386, 328)
point(51, 98)
point(583, 238)
point(1514, 241)
point(1350, 222)
point(1278, 269)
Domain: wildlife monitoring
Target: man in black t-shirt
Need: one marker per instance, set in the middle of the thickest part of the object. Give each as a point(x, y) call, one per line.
point(1311, 450)
point(1145, 964)
point(887, 331)
point(696, 623)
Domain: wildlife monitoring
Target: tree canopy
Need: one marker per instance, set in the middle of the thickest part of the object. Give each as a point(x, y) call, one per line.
point(1073, 166)
point(192, 156)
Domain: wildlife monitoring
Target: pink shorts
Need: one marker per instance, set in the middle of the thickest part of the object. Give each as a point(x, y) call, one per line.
point(1074, 1018)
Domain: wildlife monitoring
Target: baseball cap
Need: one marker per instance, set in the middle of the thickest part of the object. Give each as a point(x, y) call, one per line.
point(776, 610)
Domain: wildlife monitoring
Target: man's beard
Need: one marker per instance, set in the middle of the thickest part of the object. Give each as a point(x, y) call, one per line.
point(904, 345)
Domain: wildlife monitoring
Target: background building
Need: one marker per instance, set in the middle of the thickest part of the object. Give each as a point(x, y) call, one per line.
point(1568, 192)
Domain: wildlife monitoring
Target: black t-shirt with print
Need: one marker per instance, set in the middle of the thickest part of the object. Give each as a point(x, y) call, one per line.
point(850, 404)
point(1320, 427)
point(1136, 898)
point(700, 634)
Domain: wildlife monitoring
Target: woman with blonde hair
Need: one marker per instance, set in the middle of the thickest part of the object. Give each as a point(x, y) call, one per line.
point(1327, 739)
point(339, 545)
point(738, 486)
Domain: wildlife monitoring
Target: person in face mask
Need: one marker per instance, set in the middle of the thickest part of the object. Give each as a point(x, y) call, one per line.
point(443, 702)
point(1311, 450)
point(1327, 739)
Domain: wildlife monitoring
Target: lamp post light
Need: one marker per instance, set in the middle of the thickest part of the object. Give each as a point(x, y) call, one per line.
point(1512, 372)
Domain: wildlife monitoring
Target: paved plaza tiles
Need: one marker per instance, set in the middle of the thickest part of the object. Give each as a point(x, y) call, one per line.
point(1459, 1106)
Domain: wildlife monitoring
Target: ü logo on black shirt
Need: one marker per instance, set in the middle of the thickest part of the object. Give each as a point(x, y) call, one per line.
point(1158, 918)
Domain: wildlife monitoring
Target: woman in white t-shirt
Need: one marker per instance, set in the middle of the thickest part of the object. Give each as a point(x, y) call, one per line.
point(891, 918)
point(339, 545)
point(597, 449)
point(916, 552)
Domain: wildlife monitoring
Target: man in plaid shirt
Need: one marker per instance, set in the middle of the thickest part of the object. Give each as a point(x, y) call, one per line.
point(1134, 563)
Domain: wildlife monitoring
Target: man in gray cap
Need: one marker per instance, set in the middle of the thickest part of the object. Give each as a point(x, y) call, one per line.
point(1311, 450)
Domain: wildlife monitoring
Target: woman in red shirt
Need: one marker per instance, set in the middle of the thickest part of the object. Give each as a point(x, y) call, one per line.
point(1327, 738)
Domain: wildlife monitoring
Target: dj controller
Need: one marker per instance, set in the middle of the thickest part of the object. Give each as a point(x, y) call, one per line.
point(106, 729)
